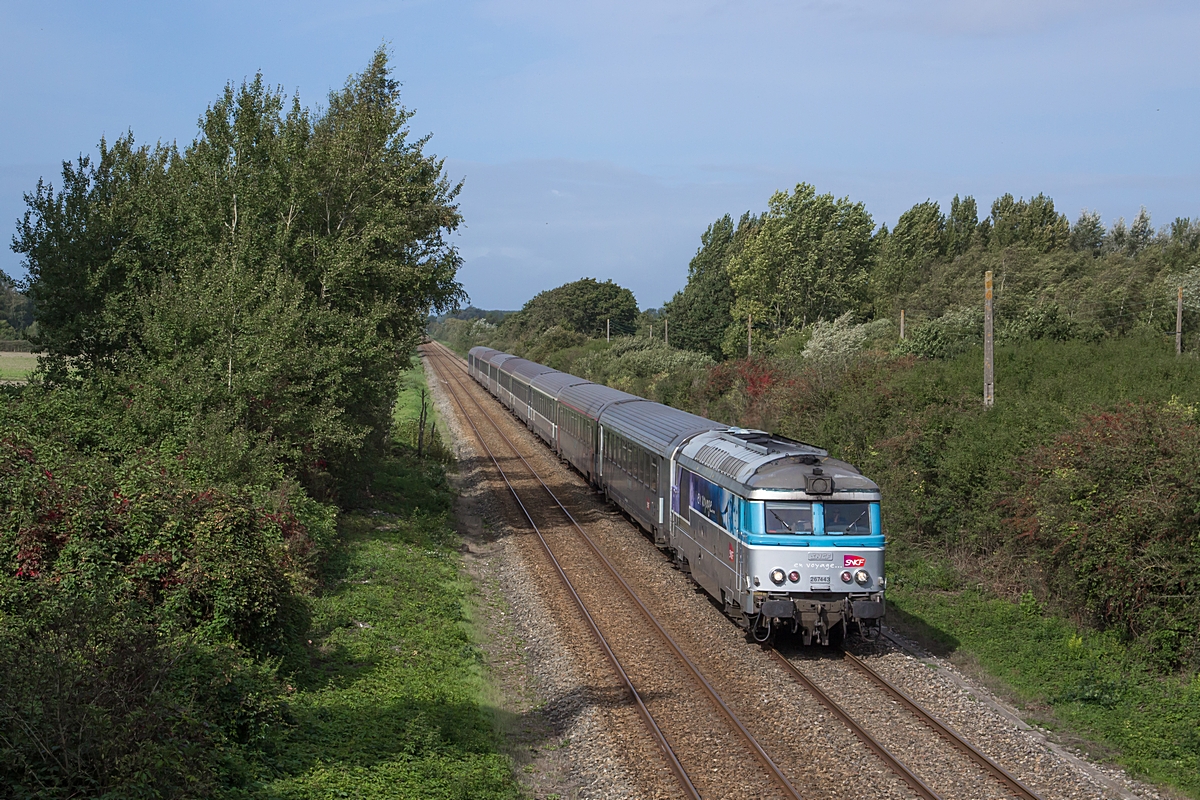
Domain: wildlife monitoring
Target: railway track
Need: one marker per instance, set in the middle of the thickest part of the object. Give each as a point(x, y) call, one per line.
point(950, 769)
point(686, 734)
point(973, 774)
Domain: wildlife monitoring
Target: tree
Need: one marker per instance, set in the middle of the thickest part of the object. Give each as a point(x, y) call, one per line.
point(1141, 232)
point(1087, 234)
point(809, 260)
point(700, 314)
point(960, 228)
point(584, 306)
point(272, 278)
point(906, 253)
point(16, 310)
point(1033, 224)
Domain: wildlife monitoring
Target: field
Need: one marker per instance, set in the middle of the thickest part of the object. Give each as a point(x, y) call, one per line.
point(17, 366)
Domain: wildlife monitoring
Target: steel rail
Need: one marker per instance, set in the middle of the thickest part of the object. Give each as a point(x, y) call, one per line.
point(728, 713)
point(644, 712)
point(949, 734)
point(894, 764)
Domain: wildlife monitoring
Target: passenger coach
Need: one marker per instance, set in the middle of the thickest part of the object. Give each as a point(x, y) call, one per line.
point(779, 533)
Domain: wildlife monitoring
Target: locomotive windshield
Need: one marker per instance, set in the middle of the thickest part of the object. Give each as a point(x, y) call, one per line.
point(789, 518)
point(848, 518)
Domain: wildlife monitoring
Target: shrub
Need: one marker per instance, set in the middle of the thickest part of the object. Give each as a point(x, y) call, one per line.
point(954, 332)
point(1112, 508)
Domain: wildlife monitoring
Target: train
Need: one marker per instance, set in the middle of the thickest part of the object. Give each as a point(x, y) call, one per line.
point(784, 538)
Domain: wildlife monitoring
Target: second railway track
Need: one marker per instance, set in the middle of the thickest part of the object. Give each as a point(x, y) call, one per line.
point(711, 751)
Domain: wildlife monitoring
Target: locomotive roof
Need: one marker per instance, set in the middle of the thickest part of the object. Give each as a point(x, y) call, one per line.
point(766, 466)
point(525, 369)
point(655, 426)
point(479, 351)
point(592, 398)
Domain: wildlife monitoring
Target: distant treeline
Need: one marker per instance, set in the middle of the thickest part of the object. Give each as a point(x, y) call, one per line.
point(16, 311)
point(812, 257)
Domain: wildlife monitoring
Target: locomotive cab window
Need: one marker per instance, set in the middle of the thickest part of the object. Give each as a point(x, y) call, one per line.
point(786, 518)
point(848, 518)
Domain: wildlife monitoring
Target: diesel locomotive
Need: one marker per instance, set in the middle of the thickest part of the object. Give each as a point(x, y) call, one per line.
point(782, 536)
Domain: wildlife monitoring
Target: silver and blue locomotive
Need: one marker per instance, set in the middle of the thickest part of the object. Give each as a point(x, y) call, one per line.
point(780, 534)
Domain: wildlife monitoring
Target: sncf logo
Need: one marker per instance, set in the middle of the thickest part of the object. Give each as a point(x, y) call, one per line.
point(856, 561)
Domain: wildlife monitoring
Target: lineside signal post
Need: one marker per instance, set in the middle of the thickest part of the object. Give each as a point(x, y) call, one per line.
point(989, 360)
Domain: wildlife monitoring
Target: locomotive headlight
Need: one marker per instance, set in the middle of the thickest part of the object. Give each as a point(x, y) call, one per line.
point(847, 577)
point(794, 576)
point(777, 577)
point(862, 577)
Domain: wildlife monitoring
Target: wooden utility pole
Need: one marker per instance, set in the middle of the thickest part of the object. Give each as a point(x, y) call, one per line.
point(1179, 323)
point(667, 332)
point(989, 360)
point(902, 323)
point(749, 335)
point(608, 330)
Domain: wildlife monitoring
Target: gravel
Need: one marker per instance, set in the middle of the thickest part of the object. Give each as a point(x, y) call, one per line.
point(552, 714)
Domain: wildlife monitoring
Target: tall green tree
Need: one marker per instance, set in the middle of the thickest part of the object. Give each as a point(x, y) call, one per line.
point(809, 260)
point(1033, 223)
point(700, 314)
point(906, 254)
point(270, 279)
point(961, 225)
point(585, 306)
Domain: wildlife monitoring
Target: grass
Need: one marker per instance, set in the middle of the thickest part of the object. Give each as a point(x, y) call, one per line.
point(1080, 683)
point(390, 705)
point(17, 366)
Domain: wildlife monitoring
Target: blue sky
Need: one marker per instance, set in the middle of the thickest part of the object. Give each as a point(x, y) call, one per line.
point(599, 139)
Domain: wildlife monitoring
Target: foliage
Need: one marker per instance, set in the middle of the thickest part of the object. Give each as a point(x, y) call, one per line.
point(264, 279)
point(226, 329)
point(1112, 506)
point(834, 344)
point(645, 367)
point(700, 314)
point(16, 309)
point(954, 332)
point(583, 306)
point(808, 260)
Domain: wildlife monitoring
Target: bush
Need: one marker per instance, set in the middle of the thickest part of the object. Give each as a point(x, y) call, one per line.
point(1112, 509)
point(954, 332)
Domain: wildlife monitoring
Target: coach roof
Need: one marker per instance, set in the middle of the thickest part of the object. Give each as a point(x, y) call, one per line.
point(592, 398)
point(525, 369)
point(658, 427)
point(551, 383)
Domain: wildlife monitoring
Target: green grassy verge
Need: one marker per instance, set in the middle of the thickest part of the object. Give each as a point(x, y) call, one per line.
point(1075, 681)
point(390, 705)
point(17, 366)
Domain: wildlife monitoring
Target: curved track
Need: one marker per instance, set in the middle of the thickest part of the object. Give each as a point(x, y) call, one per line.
point(684, 732)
